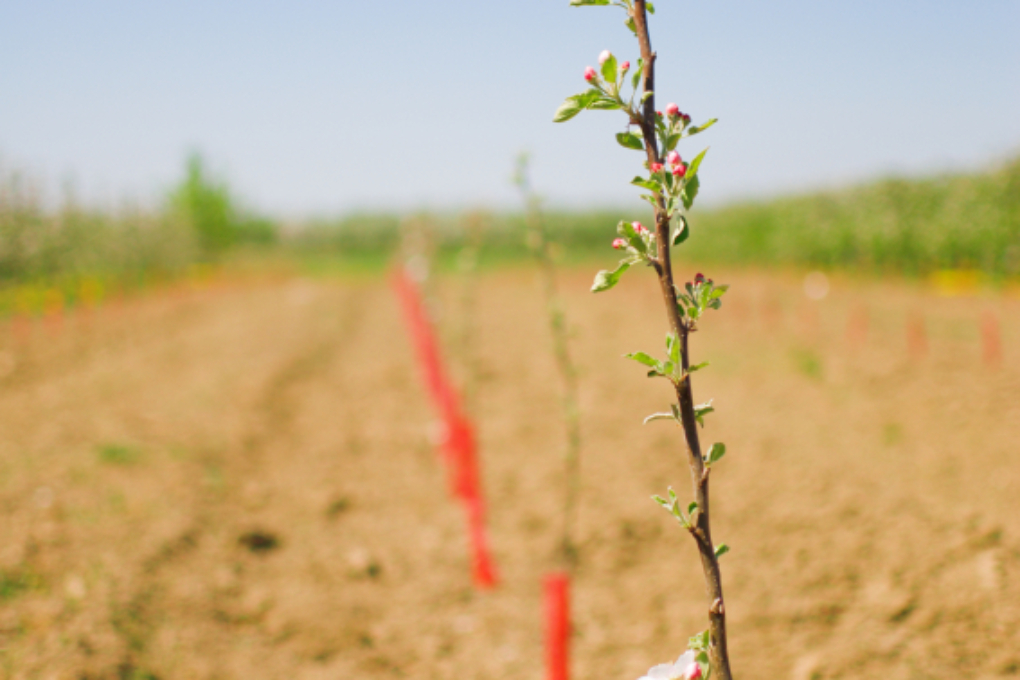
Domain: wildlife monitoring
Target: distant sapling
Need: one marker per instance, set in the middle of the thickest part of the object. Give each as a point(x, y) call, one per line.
point(672, 185)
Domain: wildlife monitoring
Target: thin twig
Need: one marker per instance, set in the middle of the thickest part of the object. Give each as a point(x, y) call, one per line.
point(664, 268)
point(538, 243)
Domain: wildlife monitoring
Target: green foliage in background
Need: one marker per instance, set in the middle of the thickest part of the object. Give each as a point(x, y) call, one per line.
point(52, 258)
point(910, 226)
point(210, 210)
point(969, 221)
point(73, 242)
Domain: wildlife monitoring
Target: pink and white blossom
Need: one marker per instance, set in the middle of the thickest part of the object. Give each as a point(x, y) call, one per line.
point(685, 668)
point(604, 56)
point(672, 110)
point(619, 244)
point(674, 158)
point(589, 74)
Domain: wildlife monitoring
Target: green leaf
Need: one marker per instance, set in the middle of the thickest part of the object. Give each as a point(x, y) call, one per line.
point(629, 23)
point(630, 140)
point(721, 550)
point(581, 3)
point(636, 77)
point(719, 291)
point(574, 104)
point(698, 367)
point(609, 69)
point(605, 279)
point(645, 359)
point(649, 184)
point(650, 199)
point(673, 348)
point(715, 453)
point(645, 95)
point(692, 508)
point(568, 109)
point(626, 230)
point(605, 104)
point(672, 141)
point(661, 501)
point(682, 231)
point(691, 191)
point(650, 7)
point(692, 169)
point(700, 641)
point(701, 128)
point(659, 416)
point(702, 410)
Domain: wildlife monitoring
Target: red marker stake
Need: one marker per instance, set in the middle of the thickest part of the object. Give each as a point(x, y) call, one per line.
point(459, 449)
point(917, 337)
point(991, 339)
point(557, 626)
point(484, 569)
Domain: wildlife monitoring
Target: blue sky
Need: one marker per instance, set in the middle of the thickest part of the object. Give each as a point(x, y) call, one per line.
point(325, 107)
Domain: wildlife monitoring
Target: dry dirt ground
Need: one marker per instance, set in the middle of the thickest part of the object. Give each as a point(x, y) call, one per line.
point(240, 483)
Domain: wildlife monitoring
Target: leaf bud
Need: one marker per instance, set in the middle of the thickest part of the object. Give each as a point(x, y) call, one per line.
point(619, 244)
point(589, 74)
point(672, 110)
point(604, 56)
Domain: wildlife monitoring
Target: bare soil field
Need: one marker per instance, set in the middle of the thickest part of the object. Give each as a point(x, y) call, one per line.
point(242, 483)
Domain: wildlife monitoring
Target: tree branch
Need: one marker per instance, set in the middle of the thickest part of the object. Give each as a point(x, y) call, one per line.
point(664, 268)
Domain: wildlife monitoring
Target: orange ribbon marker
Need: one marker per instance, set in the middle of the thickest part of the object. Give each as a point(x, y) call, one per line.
point(458, 446)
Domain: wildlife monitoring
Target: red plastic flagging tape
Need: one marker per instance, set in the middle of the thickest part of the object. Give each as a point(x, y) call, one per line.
point(458, 447)
point(420, 329)
point(557, 625)
point(917, 336)
point(991, 340)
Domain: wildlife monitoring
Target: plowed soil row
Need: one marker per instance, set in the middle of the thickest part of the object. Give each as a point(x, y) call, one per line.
point(243, 484)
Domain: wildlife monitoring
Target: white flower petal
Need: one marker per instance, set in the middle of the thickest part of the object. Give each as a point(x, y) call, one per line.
point(685, 660)
point(664, 671)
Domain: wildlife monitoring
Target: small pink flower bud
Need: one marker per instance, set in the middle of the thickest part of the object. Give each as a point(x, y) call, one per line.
point(639, 228)
point(672, 110)
point(686, 119)
point(679, 170)
point(659, 114)
point(699, 278)
point(589, 74)
point(655, 167)
point(693, 672)
point(604, 56)
point(619, 244)
point(673, 158)
point(625, 66)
